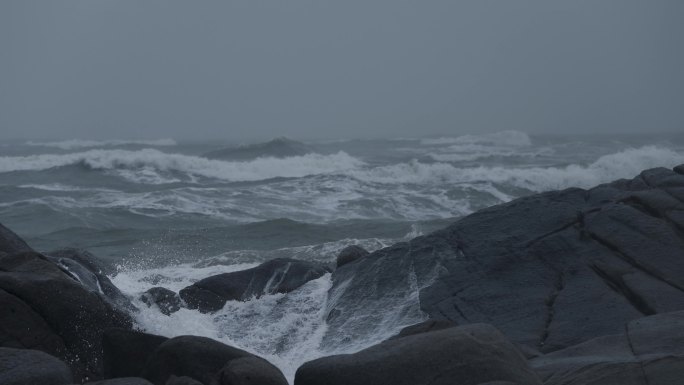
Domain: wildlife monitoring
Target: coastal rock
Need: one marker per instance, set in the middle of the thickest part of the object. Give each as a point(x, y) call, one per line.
point(280, 275)
point(166, 300)
point(350, 254)
point(32, 367)
point(182, 380)
point(85, 268)
point(126, 352)
point(549, 270)
point(50, 311)
point(251, 371)
point(121, 381)
point(430, 325)
point(10, 242)
point(205, 360)
point(649, 351)
point(471, 354)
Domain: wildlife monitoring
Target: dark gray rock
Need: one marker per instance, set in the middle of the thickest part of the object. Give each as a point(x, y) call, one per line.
point(121, 381)
point(199, 358)
point(280, 275)
point(32, 367)
point(251, 371)
point(649, 351)
point(10, 242)
point(465, 355)
point(126, 352)
point(166, 300)
point(277, 148)
point(182, 380)
point(350, 254)
point(50, 311)
point(85, 268)
point(430, 325)
point(550, 270)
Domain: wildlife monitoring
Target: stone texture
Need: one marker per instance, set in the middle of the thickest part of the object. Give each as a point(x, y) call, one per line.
point(32, 367)
point(280, 275)
point(466, 355)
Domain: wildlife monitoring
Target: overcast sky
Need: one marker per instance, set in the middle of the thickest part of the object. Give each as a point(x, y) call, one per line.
point(322, 69)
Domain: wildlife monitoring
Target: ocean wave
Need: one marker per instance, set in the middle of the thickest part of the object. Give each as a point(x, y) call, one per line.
point(503, 138)
point(149, 165)
point(72, 144)
point(623, 164)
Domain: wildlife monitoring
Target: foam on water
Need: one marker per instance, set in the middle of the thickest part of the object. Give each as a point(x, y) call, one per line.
point(286, 329)
point(623, 164)
point(503, 138)
point(146, 165)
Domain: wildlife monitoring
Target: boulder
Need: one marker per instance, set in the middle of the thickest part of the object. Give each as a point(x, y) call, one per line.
point(85, 268)
point(10, 242)
point(549, 270)
point(464, 355)
point(121, 381)
point(50, 311)
point(126, 352)
point(350, 254)
point(32, 367)
point(166, 300)
point(649, 351)
point(251, 371)
point(280, 275)
point(182, 380)
point(204, 360)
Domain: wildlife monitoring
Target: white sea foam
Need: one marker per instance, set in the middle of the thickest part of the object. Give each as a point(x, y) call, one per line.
point(623, 164)
point(72, 144)
point(145, 166)
point(503, 138)
point(286, 329)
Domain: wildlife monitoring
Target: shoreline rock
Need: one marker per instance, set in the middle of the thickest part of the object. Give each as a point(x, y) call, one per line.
point(280, 275)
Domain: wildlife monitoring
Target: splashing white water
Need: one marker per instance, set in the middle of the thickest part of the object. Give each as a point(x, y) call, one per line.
point(286, 329)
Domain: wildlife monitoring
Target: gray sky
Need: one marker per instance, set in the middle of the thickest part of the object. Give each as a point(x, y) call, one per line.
point(320, 69)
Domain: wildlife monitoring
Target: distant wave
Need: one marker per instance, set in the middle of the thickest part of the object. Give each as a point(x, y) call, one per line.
point(148, 165)
point(79, 143)
point(503, 138)
point(623, 164)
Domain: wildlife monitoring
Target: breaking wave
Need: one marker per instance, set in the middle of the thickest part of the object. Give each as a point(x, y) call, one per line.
point(623, 164)
point(503, 138)
point(150, 165)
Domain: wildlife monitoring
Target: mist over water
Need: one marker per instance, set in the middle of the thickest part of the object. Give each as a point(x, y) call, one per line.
point(161, 214)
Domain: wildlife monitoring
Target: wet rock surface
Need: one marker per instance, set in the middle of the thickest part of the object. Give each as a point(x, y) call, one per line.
point(549, 270)
point(46, 309)
point(166, 300)
point(280, 275)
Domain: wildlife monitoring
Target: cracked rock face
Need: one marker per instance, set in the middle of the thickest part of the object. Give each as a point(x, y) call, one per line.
point(648, 351)
point(550, 270)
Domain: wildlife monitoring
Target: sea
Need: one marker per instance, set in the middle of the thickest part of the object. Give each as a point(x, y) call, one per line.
point(161, 213)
